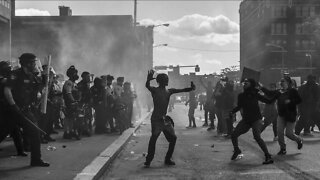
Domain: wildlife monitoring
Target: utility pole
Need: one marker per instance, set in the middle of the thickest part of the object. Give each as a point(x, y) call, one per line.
point(135, 13)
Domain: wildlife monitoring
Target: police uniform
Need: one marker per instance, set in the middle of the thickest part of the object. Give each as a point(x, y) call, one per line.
point(25, 88)
point(9, 126)
point(70, 87)
point(85, 102)
point(99, 104)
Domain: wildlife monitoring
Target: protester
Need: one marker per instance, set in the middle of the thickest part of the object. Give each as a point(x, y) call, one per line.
point(310, 94)
point(251, 118)
point(287, 100)
point(160, 122)
point(270, 115)
point(228, 104)
point(209, 105)
point(192, 101)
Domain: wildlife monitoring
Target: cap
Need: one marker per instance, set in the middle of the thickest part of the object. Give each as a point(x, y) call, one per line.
point(27, 58)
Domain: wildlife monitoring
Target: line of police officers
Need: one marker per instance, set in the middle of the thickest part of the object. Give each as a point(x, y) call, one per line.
point(20, 94)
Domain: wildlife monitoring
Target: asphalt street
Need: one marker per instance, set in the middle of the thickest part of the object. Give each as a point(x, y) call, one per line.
point(196, 158)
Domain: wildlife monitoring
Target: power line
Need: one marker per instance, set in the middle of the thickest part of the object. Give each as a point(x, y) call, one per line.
point(206, 50)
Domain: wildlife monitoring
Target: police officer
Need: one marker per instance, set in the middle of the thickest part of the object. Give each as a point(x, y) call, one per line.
point(7, 126)
point(71, 97)
point(86, 102)
point(21, 92)
point(128, 98)
point(98, 92)
point(110, 102)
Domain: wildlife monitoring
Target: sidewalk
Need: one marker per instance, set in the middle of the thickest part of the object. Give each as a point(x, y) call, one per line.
point(68, 159)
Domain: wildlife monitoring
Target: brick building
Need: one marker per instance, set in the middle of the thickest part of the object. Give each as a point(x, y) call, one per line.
point(275, 38)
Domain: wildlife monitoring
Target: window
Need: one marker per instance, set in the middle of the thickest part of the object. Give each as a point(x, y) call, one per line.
point(279, 11)
point(298, 29)
point(299, 11)
point(305, 11)
point(298, 44)
point(312, 11)
point(273, 28)
point(312, 44)
point(284, 28)
point(301, 29)
point(278, 28)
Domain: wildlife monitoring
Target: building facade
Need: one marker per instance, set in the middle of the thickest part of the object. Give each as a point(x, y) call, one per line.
point(5, 16)
point(280, 36)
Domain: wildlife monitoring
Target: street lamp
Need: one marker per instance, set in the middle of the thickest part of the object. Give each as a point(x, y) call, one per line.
point(159, 45)
point(282, 50)
point(310, 56)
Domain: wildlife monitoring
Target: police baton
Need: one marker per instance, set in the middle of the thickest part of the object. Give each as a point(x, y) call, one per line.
point(31, 123)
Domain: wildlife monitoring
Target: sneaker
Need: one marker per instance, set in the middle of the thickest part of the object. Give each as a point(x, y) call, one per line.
point(282, 152)
point(194, 126)
point(169, 162)
point(39, 163)
point(205, 125)
point(268, 160)
point(210, 128)
point(275, 138)
point(147, 164)
point(300, 144)
point(236, 153)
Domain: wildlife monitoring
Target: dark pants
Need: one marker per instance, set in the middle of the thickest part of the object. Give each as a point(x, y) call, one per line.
point(268, 120)
point(109, 117)
point(31, 132)
point(121, 119)
point(170, 135)
point(192, 119)
point(8, 127)
point(100, 120)
point(229, 121)
point(221, 127)
point(209, 113)
point(307, 116)
point(243, 127)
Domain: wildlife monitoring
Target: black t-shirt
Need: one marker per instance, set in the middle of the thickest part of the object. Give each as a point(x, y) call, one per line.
point(248, 103)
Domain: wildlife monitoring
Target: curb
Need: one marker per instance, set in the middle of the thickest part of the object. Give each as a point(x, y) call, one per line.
point(99, 165)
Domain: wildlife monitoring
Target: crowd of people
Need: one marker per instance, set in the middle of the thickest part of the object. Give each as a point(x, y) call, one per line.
point(289, 108)
point(35, 102)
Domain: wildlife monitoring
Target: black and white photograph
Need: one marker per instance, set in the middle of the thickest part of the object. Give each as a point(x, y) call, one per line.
point(159, 89)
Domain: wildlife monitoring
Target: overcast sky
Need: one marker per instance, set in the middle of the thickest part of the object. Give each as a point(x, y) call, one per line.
point(200, 32)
